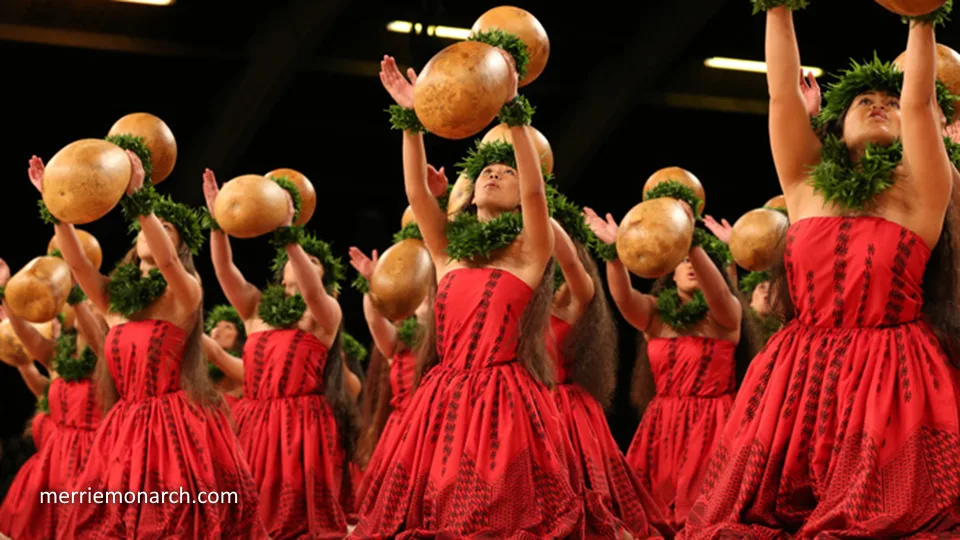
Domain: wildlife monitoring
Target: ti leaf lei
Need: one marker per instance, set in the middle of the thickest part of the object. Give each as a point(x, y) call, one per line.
point(470, 239)
point(279, 310)
point(43, 403)
point(131, 292)
point(352, 348)
point(854, 186)
point(408, 330)
point(69, 365)
point(679, 315)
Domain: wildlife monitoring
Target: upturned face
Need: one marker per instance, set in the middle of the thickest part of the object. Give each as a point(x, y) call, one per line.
point(290, 278)
point(497, 189)
point(874, 117)
point(760, 299)
point(143, 249)
point(685, 277)
point(225, 334)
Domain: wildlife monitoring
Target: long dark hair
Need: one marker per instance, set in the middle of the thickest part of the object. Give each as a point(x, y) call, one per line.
point(375, 405)
point(335, 392)
point(643, 388)
point(194, 373)
point(592, 342)
point(531, 345)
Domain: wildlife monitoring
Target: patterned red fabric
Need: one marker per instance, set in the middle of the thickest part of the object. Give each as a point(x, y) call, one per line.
point(847, 423)
point(481, 451)
point(289, 435)
point(156, 439)
point(231, 401)
point(614, 499)
point(401, 379)
point(63, 438)
point(695, 380)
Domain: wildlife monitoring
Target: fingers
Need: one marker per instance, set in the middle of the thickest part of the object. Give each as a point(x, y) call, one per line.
point(726, 223)
point(412, 75)
point(610, 220)
point(375, 255)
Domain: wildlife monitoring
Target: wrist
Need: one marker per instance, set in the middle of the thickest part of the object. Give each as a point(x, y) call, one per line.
point(516, 112)
point(285, 236)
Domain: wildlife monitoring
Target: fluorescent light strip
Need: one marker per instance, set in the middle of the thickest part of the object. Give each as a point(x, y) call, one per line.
point(448, 32)
point(148, 2)
point(751, 66)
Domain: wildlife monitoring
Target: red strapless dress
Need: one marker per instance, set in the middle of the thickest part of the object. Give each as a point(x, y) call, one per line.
point(289, 435)
point(231, 401)
point(156, 440)
point(614, 499)
point(480, 450)
point(63, 438)
point(847, 424)
point(695, 380)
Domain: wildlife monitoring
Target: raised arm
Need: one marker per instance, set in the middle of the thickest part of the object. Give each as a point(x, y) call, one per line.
point(34, 343)
point(231, 366)
point(36, 381)
point(185, 287)
point(242, 295)
point(383, 332)
point(580, 283)
point(91, 329)
point(533, 195)
point(430, 218)
point(723, 304)
point(794, 144)
point(923, 148)
point(637, 308)
point(325, 308)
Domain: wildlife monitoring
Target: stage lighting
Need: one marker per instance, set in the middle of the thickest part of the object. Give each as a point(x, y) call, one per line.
point(751, 66)
point(447, 32)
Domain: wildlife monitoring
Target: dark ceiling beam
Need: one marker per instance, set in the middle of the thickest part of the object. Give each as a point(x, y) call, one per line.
point(58, 37)
point(282, 46)
point(616, 82)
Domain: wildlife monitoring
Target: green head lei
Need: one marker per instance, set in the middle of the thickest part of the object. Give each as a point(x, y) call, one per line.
point(485, 154)
point(875, 76)
point(752, 280)
point(333, 270)
point(185, 219)
point(352, 348)
point(225, 313)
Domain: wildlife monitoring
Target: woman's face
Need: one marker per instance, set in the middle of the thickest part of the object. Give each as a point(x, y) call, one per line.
point(225, 334)
point(143, 249)
point(497, 189)
point(685, 277)
point(760, 300)
point(290, 277)
point(873, 117)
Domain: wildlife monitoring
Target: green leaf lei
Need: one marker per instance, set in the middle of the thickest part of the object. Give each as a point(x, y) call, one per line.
point(290, 188)
point(43, 402)
point(333, 269)
point(279, 310)
point(404, 119)
point(766, 5)
point(216, 374)
point(679, 315)
point(136, 145)
point(508, 42)
point(69, 367)
point(227, 313)
point(939, 17)
point(131, 292)
point(45, 215)
point(517, 112)
point(76, 296)
point(360, 284)
point(676, 190)
point(352, 348)
point(408, 331)
point(752, 280)
point(718, 252)
point(186, 220)
point(470, 239)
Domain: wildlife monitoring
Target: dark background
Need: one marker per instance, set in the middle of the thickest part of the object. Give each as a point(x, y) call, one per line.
point(293, 83)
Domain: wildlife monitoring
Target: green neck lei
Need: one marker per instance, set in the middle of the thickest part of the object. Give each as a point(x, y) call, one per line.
point(131, 292)
point(678, 315)
point(69, 365)
point(854, 186)
point(468, 238)
point(43, 403)
point(407, 331)
point(279, 310)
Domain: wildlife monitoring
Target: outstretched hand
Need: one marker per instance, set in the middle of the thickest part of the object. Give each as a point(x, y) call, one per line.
point(721, 230)
point(210, 190)
point(35, 172)
point(606, 230)
point(811, 92)
point(437, 181)
point(399, 88)
point(361, 263)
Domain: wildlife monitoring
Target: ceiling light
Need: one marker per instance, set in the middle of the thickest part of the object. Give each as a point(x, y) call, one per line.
point(149, 2)
point(751, 66)
point(448, 32)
